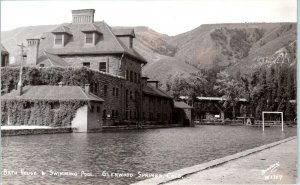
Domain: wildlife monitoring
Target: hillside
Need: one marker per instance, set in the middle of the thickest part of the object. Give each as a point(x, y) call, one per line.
point(227, 46)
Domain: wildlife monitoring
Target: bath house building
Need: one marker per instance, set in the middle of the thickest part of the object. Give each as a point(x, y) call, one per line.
point(108, 54)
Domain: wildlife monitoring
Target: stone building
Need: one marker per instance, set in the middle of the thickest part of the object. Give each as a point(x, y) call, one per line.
point(157, 106)
point(108, 52)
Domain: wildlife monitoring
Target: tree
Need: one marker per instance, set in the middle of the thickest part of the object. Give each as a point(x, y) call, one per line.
point(230, 88)
point(191, 86)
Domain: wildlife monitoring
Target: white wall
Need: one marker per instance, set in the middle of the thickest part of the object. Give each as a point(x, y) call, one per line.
point(80, 120)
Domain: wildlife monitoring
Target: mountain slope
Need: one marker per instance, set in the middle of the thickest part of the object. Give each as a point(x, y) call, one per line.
point(235, 47)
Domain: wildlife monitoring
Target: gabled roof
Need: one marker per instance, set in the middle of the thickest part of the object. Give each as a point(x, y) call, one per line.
point(181, 105)
point(62, 29)
point(109, 43)
point(118, 31)
point(148, 89)
point(52, 59)
point(45, 92)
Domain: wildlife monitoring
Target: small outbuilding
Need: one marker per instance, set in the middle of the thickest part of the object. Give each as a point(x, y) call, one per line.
point(183, 114)
point(55, 106)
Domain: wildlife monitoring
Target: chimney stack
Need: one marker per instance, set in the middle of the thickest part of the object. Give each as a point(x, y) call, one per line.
point(155, 82)
point(83, 16)
point(87, 88)
point(32, 51)
point(144, 80)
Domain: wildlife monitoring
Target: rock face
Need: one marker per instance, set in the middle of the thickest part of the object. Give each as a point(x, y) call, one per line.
point(240, 46)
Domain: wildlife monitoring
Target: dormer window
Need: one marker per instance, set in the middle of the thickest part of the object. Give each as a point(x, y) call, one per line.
point(89, 38)
point(58, 39)
point(92, 35)
point(62, 35)
point(130, 42)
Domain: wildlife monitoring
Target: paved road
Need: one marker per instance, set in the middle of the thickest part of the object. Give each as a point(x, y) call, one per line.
point(279, 162)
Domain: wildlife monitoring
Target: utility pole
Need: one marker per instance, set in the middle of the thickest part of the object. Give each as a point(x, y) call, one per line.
point(19, 88)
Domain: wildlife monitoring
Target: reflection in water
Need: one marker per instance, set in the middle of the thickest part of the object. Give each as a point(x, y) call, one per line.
point(146, 151)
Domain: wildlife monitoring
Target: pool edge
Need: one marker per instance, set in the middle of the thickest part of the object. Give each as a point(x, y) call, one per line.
point(179, 174)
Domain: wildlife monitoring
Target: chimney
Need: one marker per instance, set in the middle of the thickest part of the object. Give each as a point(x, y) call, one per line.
point(60, 84)
point(83, 16)
point(87, 88)
point(144, 80)
point(154, 82)
point(32, 51)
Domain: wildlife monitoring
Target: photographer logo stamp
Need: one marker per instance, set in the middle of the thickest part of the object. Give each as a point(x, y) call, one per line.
point(271, 172)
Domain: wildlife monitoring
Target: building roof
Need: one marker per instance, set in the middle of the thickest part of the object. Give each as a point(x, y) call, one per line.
point(107, 44)
point(91, 28)
point(62, 29)
point(52, 59)
point(148, 89)
point(217, 98)
point(45, 92)
point(181, 105)
point(3, 50)
point(119, 31)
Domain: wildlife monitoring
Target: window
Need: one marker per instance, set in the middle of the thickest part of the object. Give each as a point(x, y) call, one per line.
point(131, 76)
point(105, 90)
point(127, 75)
point(117, 113)
point(130, 114)
point(96, 87)
point(42, 65)
point(131, 95)
point(92, 108)
point(112, 113)
point(28, 105)
point(113, 93)
point(86, 64)
point(126, 100)
point(135, 78)
point(134, 115)
point(89, 38)
point(58, 39)
point(102, 66)
point(130, 42)
point(54, 105)
point(104, 114)
point(92, 87)
point(98, 109)
point(139, 78)
point(117, 91)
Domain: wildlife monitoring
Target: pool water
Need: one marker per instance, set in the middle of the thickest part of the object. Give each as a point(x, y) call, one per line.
point(72, 158)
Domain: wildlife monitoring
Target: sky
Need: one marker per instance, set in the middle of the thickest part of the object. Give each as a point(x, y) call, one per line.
point(168, 16)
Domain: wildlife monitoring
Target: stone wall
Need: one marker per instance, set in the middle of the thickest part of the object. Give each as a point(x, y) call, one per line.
point(113, 62)
point(132, 89)
point(118, 105)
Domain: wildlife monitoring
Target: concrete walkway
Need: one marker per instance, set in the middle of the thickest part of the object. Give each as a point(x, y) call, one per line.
point(274, 163)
